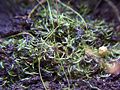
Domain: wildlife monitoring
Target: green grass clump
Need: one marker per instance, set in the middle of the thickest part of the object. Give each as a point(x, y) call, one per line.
point(55, 45)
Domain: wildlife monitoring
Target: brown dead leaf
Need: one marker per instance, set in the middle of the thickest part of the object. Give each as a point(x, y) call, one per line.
point(113, 67)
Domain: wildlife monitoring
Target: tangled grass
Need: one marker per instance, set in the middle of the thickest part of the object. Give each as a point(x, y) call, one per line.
point(55, 47)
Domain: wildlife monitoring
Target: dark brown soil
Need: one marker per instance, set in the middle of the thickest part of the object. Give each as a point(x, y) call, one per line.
point(95, 83)
point(12, 19)
point(104, 11)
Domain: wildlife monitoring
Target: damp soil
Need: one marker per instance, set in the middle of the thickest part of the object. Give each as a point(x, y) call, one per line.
point(10, 25)
point(5, 24)
point(12, 18)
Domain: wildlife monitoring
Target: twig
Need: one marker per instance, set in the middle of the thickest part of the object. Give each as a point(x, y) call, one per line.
point(40, 74)
point(41, 2)
point(32, 11)
point(74, 12)
point(36, 6)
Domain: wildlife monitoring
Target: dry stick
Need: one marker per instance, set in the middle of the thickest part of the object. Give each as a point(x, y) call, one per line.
point(41, 74)
point(39, 3)
point(32, 11)
point(114, 8)
point(74, 12)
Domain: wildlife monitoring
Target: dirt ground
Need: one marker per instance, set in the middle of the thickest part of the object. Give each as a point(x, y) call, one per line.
point(12, 18)
point(9, 25)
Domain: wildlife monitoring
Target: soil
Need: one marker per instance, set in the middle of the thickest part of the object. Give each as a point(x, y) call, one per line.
point(12, 19)
point(107, 12)
point(10, 25)
point(5, 22)
point(95, 83)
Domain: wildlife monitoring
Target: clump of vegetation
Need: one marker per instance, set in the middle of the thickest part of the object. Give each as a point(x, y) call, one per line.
point(55, 47)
